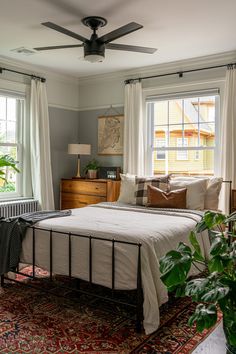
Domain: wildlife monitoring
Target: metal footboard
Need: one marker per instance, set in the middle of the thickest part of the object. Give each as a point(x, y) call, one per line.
point(138, 305)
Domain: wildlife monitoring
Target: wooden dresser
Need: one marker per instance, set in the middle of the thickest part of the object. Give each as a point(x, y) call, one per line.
point(77, 193)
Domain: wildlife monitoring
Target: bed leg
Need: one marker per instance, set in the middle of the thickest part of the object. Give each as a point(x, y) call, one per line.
point(139, 312)
point(2, 280)
point(139, 303)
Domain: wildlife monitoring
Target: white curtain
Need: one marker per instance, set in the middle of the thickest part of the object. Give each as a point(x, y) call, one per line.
point(40, 146)
point(228, 135)
point(134, 130)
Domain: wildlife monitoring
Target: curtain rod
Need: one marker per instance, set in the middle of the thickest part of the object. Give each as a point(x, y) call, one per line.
point(180, 73)
point(42, 79)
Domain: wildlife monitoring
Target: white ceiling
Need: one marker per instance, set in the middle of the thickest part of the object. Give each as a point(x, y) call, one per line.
point(179, 29)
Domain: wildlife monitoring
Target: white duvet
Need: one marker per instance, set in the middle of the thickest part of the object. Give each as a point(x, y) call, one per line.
point(158, 231)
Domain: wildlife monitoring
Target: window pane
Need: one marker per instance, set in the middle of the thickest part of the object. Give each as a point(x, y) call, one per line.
point(160, 143)
point(2, 107)
point(10, 185)
point(159, 135)
point(2, 131)
point(175, 112)
point(161, 113)
point(207, 108)
point(182, 154)
point(176, 131)
point(200, 162)
point(11, 132)
point(11, 109)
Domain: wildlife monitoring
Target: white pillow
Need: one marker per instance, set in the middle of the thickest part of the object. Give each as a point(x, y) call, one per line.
point(196, 190)
point(127, 189)
point(212, 193)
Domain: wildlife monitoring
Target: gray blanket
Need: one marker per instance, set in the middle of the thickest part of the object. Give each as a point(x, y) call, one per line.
point(12, 232)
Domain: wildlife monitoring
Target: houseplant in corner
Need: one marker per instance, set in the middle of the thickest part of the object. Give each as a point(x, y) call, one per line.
point(215, 289)
point(91, 169)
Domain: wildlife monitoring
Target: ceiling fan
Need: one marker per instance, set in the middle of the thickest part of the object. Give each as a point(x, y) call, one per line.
point(94, 48)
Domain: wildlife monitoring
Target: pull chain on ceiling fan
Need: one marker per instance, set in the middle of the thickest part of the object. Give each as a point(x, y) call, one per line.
point(94, 48)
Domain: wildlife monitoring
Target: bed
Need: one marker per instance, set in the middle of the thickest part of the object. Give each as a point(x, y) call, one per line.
point(157, 231)
point(117, 245)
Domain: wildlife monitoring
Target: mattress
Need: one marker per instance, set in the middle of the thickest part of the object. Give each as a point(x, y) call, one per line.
point(157, 230)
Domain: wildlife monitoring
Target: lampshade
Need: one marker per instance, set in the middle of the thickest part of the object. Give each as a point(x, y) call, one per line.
point(79, 149)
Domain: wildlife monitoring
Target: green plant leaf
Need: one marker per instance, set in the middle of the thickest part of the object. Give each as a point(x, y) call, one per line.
point(219, 245)
point(231, 217)
point(7, 161)
point(175, 266)
point(216, 264)
point(180, 291)
point(216, 294)
point(204, 316)
point(201, 226)
point(196, 287)
point(194, 242)
point(183, 248)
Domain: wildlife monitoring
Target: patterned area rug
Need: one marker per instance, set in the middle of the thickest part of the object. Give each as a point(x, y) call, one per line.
point(34, 322)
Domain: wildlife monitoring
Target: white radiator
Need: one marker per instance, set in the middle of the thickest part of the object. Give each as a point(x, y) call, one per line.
point(18, 207)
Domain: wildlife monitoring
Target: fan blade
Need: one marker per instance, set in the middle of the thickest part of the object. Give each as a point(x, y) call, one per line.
point(131, 48)
point(59, 47)
point(64, 31)
point(120, 32)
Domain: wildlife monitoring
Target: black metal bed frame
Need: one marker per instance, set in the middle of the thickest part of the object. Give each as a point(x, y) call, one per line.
point(138, 305)
point(139, 292)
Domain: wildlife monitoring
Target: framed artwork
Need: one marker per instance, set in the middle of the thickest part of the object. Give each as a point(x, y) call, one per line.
point(110, 135)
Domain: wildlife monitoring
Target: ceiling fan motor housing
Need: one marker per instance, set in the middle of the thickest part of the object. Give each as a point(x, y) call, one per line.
point(94, 47)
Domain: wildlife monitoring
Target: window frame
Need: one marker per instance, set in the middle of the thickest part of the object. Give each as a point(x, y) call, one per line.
point(17, 91)
point(180, 91)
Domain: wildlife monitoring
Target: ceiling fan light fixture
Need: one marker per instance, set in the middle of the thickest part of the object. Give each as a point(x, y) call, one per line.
point(94, 58)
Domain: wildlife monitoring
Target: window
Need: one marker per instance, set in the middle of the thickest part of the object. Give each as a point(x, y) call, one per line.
point(160, 143)
point(182, 154)
point(11, 114)
point(182, 132)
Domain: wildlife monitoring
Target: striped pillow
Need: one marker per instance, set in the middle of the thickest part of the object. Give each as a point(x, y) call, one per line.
point(141, 183)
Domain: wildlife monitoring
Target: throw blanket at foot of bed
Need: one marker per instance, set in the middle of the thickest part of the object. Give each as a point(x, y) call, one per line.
point(12, 232)
point(158, 231)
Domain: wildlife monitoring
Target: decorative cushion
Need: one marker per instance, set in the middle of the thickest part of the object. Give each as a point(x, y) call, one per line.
point(160, 199)
point(127, 189)
point(196, 191)
point(161, 182)
point(212, 193)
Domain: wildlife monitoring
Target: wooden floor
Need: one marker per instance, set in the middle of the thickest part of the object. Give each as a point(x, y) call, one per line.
point(213, 344)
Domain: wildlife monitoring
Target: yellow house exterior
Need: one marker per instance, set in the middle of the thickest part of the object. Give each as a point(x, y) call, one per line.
point(187, 123)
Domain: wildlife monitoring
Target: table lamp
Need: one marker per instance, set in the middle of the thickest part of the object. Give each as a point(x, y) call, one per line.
point(79, 149)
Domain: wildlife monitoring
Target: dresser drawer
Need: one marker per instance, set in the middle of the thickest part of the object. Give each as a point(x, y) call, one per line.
point(71, 201)
point(90, 199)
point(77, 193)
point(93, 188)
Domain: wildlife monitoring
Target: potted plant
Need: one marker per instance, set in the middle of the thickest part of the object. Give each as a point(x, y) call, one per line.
point(91, 169)
point(215, 289)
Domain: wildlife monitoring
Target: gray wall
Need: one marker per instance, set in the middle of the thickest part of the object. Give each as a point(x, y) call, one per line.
point(64, 127)
point(88, 134)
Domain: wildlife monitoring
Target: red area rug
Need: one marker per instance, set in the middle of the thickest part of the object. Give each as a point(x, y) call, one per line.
point(34, 322)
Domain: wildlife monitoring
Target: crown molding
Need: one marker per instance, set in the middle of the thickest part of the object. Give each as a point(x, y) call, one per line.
point(37, 70)
point(186, 64)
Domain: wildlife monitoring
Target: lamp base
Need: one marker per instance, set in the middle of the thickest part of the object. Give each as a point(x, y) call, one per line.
point(78, 177)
